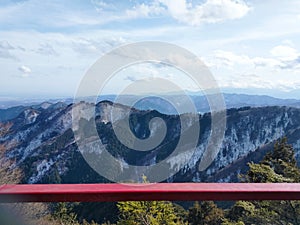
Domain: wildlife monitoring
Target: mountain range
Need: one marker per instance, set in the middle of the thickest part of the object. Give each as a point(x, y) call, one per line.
point(40, 140)
point(11, 109)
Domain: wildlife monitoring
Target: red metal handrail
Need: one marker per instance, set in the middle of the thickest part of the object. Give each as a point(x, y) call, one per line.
point(148, 192)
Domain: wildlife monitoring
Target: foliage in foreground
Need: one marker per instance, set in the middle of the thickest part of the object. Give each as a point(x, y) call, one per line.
point(147, 212)
point(278, 166)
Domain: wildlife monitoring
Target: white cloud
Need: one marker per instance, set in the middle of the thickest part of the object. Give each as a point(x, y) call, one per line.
point(285, 53)
point(46, 49)
point(267, 62)
point(32, 13)
point(176, 7)
point(144, 10)
point(283, 57)
point(6, 45)
point(288, 43)
point(142, 71)
point(85, 46)
point(5, 48)
point(245, 81)
point(102, 5)
point(25, 71)
point(229, 58)
point(67, 53)
point(248, 81)
point(212, 11)
point(97, 46)
point(287, 85)
point(131, 78)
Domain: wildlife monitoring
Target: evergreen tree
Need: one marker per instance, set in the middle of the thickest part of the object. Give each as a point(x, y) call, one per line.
point(282, 160)
point(64, 215)
point(148, 212)
point(205, 212)
point(278, 166)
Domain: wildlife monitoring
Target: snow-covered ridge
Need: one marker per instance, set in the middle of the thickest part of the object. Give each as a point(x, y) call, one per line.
point(41, 140)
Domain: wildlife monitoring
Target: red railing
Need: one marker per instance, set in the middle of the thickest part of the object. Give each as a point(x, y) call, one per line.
point(148, 192)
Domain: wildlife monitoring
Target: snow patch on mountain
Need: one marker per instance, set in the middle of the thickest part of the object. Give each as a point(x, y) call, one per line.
point(42, 168)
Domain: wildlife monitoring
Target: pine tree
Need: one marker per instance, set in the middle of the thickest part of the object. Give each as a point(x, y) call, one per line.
point(205, 212)
point(148, 212)
point(277, 166)
point(64, 215)
point(282, 160)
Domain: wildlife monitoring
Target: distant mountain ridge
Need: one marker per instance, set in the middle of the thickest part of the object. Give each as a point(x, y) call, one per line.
point(41, 142)
point(160, 104)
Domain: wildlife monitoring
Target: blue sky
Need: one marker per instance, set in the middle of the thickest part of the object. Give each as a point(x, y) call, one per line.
point(47, 46)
